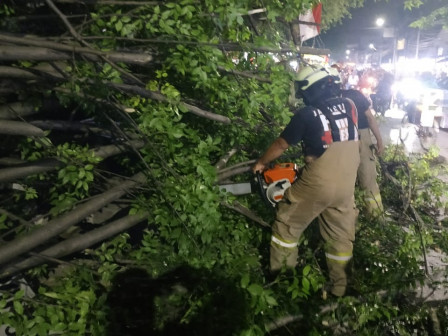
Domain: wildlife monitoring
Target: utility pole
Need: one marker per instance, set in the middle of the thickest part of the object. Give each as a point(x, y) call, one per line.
point(418, 44)
point(394, 57)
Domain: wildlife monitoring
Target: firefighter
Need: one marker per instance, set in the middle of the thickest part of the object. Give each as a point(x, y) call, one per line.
point(327, 129)
point(367, 168)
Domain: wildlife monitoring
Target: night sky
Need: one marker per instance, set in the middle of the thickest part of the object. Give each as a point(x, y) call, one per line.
point(359, 31)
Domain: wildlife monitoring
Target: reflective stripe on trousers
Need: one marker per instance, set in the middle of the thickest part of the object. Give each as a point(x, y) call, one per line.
point(283, 242)
point(337, 263)
point(340, 258)
point(374, 204)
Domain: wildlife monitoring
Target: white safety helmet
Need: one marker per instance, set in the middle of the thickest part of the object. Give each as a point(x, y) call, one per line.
point(309, 75)
point(316, 83)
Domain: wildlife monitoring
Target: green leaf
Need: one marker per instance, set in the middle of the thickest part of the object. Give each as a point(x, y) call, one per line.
point(81, 173)
point(271, 301)
point(306, 270)
point(306, 285)
point(255, 289)
point(52, 295)
point(18, 307)
point(19, 294)
point(177, 133)
point(245, 280)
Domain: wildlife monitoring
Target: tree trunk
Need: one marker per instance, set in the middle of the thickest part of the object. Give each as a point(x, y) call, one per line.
point(40, 235)
point(20, 128)
point(161, 98)
point(131, 58)
point(45, 165)
point(76, 244)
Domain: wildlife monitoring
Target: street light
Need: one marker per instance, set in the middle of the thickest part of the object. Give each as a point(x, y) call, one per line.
point(347, 54)
point(388, 33)
point(380, 22)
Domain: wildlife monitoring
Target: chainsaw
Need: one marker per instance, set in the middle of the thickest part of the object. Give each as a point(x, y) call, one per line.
point(270, 184)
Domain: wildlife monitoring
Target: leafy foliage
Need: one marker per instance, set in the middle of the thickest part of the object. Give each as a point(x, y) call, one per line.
point(194, 266)
point(437, 16)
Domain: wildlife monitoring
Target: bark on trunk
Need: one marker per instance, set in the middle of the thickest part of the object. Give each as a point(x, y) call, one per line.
point(40, 235)
point(42, 166)
point(15, 53)
point(31, 168)
point(20, 128)
point(73, 126)
point(16, 110)
point(131, 58)
point(159, 97)
point(75, 244)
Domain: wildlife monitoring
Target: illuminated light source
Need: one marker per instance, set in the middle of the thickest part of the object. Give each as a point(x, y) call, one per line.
point(379, 22)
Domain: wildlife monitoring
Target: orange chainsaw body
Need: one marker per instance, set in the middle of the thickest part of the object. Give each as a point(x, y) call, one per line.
point(287, 170)
point(278, 179)
point(271, 184)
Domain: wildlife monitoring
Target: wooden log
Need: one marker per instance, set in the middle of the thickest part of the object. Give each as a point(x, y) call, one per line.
point(40, 235)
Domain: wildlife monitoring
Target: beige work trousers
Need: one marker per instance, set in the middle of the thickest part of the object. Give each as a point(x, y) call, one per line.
point(325, 190)
point(367, 175)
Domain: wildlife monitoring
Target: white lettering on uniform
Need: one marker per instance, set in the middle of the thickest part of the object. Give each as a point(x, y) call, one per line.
point(324, 122)
point(338, 109)
point(343, 129)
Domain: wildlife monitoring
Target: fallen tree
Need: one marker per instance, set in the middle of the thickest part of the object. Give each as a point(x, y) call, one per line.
point(180, 96)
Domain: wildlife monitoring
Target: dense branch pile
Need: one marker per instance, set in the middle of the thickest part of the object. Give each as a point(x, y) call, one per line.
point(117, 121)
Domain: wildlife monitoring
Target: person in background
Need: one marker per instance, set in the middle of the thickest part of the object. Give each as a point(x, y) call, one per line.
point(367, 126)
point(352, 80)
point(382, 99)
point(327, 129)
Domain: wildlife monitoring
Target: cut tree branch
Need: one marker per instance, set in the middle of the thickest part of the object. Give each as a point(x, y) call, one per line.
point(11, 161)
point(17, 110)
point(30, 168)
point(161, 98)
point(63, 125)
point(27, 242)
point(132, 58)
point(239, 168)
point(233, 172)
point(11, 72)
point(223, 160)
point(20, 128)
point(45, 165)
point(221, 46)
point(245, 74)
point(76, 244)
point(238, 207)
point(19, 53)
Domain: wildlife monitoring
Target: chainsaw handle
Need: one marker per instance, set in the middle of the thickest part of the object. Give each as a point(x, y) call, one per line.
point(261, 188)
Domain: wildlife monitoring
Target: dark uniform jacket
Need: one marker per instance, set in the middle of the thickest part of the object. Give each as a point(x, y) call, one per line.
point(362, 105)
point(334, 120)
